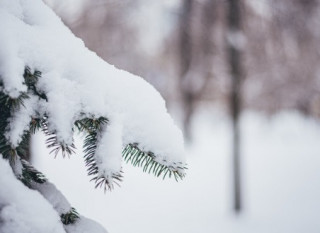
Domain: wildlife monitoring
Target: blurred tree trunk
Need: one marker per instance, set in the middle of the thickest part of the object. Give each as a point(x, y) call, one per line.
point(185, 58)
point(195, 54)
point(234, 46)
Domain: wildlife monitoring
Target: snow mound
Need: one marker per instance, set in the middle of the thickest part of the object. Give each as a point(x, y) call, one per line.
point(23, 209)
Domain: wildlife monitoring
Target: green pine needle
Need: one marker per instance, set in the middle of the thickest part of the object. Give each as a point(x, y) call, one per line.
point(70, 217)
point(9, 103)
point(52, 140)
point(8, 106)
point(31, 79)
point(92, 127)
point(30, 174)
point(23, 148)
point(35, 125)
point(146, 160)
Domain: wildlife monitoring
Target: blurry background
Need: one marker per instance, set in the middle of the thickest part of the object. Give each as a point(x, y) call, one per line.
point(241, 78)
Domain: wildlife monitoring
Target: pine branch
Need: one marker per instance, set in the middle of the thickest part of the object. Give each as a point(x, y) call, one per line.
point(31, 80)
point(23, 148)
point(90, 125)
point(30, 174)
point(93, 127)
point(6, 150)
point(131, 153)
point(7, 106)
point(10, 104)
point(52, 140)
point(70, 217)
point(35, 125)
point(139, 158)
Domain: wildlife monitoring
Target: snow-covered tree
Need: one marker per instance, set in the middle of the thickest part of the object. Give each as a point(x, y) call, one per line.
point(50, 81)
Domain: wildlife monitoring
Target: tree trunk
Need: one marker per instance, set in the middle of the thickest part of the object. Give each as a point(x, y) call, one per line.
point(185, 57)
point(234, 46)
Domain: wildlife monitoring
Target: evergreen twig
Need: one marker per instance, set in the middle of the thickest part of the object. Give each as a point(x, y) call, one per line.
point(7, 106)
point(30, 174)
point(52, 141)
point(31, 80)
point(93, 127)
point(139, 158)
point(70, 217)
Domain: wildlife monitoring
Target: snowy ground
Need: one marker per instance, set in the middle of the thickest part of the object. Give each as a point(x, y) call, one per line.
point(281, 166)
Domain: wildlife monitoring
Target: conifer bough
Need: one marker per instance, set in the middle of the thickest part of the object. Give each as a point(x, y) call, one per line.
point(50, 81)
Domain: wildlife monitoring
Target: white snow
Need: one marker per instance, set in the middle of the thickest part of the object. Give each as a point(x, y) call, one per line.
point(20, 120)
point(22, 209)
point(85, 225)
point(281, 173)
point(53, 196)
point(29, 211)
point(109, 150)
point(76, 81)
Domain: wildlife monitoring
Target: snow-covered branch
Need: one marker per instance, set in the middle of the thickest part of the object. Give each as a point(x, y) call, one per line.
point(50, 81)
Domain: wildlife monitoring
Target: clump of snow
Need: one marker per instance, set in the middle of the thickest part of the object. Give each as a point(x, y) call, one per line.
point(85, 225)
point(53, 196)
point(22, 209)
point(15, 209)
point(109, 150)
point(20, 120)
point(76, 82)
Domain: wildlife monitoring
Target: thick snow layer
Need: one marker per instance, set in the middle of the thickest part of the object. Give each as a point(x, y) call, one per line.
point(20, 121)
point(25, 210)
point(53, 196)
point(281, 188)
point(109, 150)
point(85, 225)
point(76, 81)
point(22, 209)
